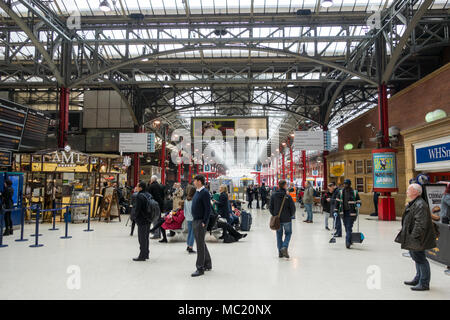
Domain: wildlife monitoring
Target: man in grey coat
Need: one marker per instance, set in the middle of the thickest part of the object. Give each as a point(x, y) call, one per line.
point(417, 235)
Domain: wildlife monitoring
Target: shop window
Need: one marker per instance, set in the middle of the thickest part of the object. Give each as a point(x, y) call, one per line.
point(360, 184)
point(359, 167)
point(368, 166)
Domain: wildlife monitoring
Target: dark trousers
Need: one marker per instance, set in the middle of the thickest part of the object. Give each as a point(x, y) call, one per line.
point(257, 203)
point(263, 202)
point(143, 236)
point(228, 229)
point(133, 225)
point(375, 203)
point(250, 203)
point(203, 257)
point(348, 224)
point(158, 225)
point(423, 272)
point(8, 220)
point(338, 225)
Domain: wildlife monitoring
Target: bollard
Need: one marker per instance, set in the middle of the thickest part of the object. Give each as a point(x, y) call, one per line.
point(67, 225)
point(22, 223)
point(36, 233)
point(89, 220)
point(1, 231)
point(54, 221)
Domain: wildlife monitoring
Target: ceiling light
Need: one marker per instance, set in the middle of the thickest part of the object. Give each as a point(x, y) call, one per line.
point(145, 59)
point(327, 3)
point(104, 6)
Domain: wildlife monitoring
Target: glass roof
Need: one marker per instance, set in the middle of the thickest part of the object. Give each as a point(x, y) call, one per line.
point(177, 7)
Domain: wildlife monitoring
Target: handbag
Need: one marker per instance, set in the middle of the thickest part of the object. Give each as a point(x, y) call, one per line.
point(275, 223)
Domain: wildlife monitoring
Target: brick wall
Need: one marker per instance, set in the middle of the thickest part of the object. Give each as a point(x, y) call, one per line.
point(407, 109)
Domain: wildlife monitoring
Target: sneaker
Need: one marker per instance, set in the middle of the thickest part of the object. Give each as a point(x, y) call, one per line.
point(163, 241)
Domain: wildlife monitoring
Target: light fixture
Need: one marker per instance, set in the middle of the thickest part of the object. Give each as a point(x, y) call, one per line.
point(104, 6)
point(327, 3)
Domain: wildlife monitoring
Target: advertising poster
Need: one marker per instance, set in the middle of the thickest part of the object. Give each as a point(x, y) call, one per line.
point(434, 194)
point(384, 170)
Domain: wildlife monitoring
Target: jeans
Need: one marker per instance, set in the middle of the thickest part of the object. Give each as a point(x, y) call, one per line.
point(423, 272)
point(337, 224)
point(326, 216)
point(287, 226)
point(190, 237)
point(308, 208)
point(348, 224)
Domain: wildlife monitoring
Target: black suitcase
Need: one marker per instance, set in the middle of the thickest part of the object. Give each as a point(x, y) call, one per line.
point(246, 221)
point(357, 237)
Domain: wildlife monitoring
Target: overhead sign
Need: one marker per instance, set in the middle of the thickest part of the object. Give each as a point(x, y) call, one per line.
point(433, 155)
point(5, 158)
point(309, 140)
point(251, 126)
point(12, 121)
point(137, 142)
point(384, 170)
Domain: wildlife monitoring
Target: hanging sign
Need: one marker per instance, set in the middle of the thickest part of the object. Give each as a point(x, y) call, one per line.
point(384, 170)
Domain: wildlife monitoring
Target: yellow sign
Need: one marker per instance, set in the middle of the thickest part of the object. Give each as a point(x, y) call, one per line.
point(235, 189)
point(337, 170)
point(53, 167)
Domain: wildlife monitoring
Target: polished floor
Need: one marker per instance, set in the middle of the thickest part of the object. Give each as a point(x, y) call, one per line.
point(98, 265)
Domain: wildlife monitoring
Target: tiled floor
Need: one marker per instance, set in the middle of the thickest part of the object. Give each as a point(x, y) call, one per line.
point(249, 269)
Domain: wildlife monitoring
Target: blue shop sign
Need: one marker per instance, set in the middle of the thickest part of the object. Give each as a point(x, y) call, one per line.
point(436, 153)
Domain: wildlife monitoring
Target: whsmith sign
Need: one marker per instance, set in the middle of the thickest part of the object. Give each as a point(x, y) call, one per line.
point(432, 155)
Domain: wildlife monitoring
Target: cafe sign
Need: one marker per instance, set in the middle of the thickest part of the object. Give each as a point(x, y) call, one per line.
point(67, 157)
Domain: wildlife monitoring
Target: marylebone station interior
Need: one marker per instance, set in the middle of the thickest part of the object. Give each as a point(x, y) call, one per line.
point(225, 150)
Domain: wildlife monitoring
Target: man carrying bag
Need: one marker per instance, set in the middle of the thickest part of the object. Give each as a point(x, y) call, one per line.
point(282, 209)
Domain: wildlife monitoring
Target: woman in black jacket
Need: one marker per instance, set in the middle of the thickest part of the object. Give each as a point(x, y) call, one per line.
point(417, 235)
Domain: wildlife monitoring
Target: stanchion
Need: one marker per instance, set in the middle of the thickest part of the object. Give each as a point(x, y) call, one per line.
point(67, 225)
point(89, 220)
point(1, 231)
point(54, 220)
point(38, 212)
point(36, 233)
point(22, 223)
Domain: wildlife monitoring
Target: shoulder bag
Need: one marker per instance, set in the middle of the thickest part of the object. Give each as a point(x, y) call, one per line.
point(275, 220)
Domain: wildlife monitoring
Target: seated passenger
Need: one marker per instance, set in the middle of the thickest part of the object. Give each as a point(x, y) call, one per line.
point(172, 221)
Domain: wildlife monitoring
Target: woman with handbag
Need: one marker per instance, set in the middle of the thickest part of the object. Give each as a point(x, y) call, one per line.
point(282, 209)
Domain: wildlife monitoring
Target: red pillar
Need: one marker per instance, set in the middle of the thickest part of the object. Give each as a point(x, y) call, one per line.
point(283, 164)
point(190, 173)
point(291, 164)
point(325, 168)
point(64, 95)
point(386, 203)
point(304, 168)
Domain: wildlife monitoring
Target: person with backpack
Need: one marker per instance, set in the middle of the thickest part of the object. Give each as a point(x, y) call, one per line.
point(347, 202)
point(143, 221)
point(282, 204)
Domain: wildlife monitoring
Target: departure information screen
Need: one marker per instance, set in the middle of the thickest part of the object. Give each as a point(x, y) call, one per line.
point(12, 121)
point(5, 158)
point(35, 131)
point(21, 126)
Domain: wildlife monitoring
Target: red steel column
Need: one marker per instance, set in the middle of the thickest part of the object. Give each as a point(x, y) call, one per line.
point(383, 119)
point(283, 164)
point(163, 162)
point(291, 164)
point(325, 168)
point(64, 95)
point(304, 168)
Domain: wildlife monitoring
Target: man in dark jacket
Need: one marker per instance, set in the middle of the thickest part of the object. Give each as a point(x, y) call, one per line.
point(347, 203)
point(8, 203)
point(256, 195)
point(263, 193)
point(417, 235)
point(201, 211)
point(286, 216)
point(140, 216)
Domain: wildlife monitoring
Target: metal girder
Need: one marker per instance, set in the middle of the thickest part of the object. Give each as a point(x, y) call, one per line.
point(48, 59)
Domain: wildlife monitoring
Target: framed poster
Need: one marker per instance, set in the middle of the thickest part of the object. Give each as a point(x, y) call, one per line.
point(433, 194)
point(384, 170)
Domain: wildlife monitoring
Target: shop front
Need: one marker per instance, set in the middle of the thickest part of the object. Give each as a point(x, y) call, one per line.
point(54, 178)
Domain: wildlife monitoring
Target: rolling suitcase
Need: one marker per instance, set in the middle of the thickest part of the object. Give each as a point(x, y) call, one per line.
point(246, 221)
point(357, 237)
